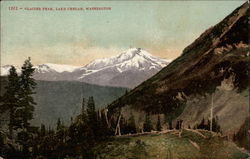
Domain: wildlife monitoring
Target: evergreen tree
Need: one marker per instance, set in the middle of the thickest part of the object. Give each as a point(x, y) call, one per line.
point(92, 115)
point(234, 137)
point(202, 124)
point(147, 126)
point(71, 120)
point(103, 129)
point(80, 136)
point(215, 125)
point(25, 94)
point(206, 126)
point(83, 112)
point(58, 124)
point(42, 130)
point(91, 110)
point(177, 126)
point(10, 102)
point(158, 126)
point(60, 131)
point(26, 104)
point(126, 92)
point(169, 119)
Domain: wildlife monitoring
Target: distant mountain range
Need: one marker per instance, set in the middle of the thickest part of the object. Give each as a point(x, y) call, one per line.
point(128, 69)
point(61, 88)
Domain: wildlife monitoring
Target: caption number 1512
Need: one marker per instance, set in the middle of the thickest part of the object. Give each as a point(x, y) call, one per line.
point(13, 8)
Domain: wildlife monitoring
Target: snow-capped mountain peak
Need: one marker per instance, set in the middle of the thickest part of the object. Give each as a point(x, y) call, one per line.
point(119, 70)
point(134, 57)
point(49, 67)
point(5, 70)
point(42, 68)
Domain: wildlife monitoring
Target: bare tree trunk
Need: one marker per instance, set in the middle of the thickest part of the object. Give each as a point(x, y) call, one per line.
point(11, 123)
point(118, 130)
point(211, 114)
point(106, 117)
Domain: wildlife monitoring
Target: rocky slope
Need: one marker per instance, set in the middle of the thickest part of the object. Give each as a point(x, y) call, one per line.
point(214, 64)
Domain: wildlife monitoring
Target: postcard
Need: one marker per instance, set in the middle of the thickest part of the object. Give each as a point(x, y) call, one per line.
point(124, 79)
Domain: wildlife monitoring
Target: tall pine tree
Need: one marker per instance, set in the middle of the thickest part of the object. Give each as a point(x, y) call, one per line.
point(83, 112)
point(42, 130)
point(92, 116)
point(91, 110)
point(10, 100)
point(58, 125)
point(25, 94)
point(26, 104)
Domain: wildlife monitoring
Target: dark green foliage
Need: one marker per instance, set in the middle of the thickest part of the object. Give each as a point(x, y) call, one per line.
point(83, 113)
point(25, 95)
point(42, 130)
point(80, 132)
point(158, 126)
point(77, 139)
point(126, 92)
point(215, 125)
point(19, 102)
point(81, 138)
point(104, 130)
point(202, 125)
point(147, 126)
point(59, 124)
point(25, 110)
point(91, 111)
point(178, 124)
point(92, 116)
point(206, 126)
point(11, 99)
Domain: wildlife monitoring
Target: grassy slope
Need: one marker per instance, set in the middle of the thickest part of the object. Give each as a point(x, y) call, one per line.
point(191, 145)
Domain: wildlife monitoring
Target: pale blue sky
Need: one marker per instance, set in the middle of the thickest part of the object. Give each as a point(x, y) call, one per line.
point(163, 28)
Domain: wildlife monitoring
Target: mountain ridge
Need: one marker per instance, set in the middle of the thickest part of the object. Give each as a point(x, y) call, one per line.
point(105, 71)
